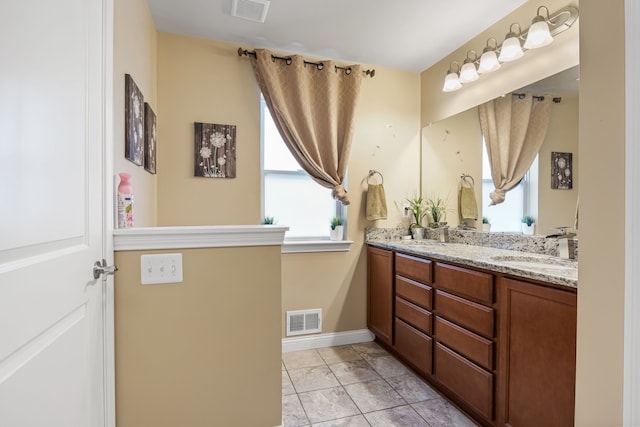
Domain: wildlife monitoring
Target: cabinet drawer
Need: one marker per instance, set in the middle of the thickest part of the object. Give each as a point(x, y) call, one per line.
point(468, 314)
point(470, 345)
point(464, 282)
point(471, 383)
point(414, 346)
point(415, 316)
point(413, 291)
point(414, 268)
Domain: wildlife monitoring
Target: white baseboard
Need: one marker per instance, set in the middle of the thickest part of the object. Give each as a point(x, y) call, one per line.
point(309, 342)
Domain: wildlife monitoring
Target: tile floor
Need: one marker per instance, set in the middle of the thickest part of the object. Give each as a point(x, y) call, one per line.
point(359, 385)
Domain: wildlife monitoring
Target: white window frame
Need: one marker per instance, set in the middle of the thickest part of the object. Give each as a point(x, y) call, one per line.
point(299, 244)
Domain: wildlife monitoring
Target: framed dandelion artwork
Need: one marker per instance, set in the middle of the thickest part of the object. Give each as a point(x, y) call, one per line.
point(133, 122)
point(561, 171)
point(149, 139)
point(215, 150)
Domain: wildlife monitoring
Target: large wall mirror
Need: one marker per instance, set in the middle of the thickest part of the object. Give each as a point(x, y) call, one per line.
point(454, 146)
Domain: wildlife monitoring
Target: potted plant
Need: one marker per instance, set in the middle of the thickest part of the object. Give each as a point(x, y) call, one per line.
point(336, 228)
point(486, 225)
point(418, 211)
point(437, 208)
point(528, 225)
point(269, 220)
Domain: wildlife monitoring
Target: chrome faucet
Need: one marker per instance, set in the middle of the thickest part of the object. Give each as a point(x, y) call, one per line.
point(444, 233)
point(566, 244)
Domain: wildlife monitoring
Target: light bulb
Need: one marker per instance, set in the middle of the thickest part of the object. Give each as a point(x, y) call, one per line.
point(539, 35)
point(488, 61)
point(451, 82)
point(468, 72)
point(511, 49)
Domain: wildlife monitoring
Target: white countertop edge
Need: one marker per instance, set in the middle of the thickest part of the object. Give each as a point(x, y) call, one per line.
point(303, 246)
point(187, 237)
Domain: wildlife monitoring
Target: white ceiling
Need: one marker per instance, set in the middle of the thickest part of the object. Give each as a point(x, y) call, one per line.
point(406, 35)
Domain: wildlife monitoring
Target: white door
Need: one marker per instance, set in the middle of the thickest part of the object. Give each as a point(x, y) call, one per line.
point(54, 70)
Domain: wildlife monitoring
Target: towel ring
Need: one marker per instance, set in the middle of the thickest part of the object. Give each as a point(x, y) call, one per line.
point(372, 172)
point(464, 176)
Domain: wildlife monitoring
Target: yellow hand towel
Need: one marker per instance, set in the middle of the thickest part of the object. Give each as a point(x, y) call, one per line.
point(468, 205)
point(376, 203)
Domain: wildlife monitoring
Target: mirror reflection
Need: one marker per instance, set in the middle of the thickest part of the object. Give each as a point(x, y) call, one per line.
point(548, 193)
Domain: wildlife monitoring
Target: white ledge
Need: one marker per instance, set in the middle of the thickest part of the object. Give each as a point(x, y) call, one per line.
point(300, 246)
point(214, 236)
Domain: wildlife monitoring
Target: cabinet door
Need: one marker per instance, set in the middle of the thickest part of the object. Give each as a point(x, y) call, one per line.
point(538, 336)
point(380, 293)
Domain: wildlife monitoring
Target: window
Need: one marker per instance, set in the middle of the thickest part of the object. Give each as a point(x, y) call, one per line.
point(506, 216)
point(289, 194)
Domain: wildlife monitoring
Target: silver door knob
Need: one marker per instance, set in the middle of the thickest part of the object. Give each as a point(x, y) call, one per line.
point(101, 267)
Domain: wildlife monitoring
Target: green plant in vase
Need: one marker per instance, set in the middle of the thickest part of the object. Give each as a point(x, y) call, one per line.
point(269, 220)
point(486, 224)
point(336, 232)
point(437, 208)
point(335, 221)
point(418, 212)
point(528, 225)
point(529, 220)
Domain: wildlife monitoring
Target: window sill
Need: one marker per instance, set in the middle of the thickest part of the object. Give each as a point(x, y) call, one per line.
point(302, 246)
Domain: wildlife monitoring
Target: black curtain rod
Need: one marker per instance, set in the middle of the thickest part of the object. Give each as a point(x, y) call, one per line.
point(319, 65)
point(557, 100)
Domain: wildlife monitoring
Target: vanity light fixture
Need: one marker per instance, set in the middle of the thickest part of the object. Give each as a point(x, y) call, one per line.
point(541, 32)
point(452, 81)
point(511, 49)
point(468, 72)
point(489, 60)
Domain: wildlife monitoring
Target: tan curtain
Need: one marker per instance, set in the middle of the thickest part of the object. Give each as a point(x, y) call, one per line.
point(314, 111)
point(514, 128)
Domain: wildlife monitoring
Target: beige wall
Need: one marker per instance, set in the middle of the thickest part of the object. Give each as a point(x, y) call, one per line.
point(201, 80)
point(450, 148)
point(600, 347)
point(205, 81)
point(134, 53)
point(197, 353)
point(556, 208)
point(386, 139)
point(537, 64)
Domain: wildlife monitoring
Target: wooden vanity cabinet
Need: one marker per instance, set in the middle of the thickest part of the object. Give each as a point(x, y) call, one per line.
point(538, 354)
point(502, 349)
point(413, 312)
point(380, 293)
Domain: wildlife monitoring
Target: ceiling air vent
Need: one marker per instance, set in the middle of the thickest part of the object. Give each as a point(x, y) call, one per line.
point(304, 322)
point(253, 10)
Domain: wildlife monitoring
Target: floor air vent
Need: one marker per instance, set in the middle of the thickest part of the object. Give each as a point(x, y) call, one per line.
point(304, 322)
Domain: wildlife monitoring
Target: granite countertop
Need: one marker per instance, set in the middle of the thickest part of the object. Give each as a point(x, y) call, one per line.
point(540, 267)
